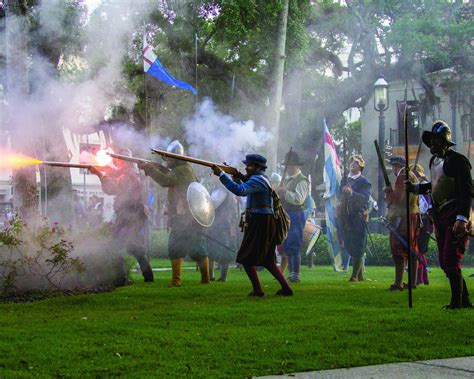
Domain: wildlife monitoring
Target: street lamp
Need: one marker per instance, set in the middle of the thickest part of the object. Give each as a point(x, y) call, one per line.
point(381, 105)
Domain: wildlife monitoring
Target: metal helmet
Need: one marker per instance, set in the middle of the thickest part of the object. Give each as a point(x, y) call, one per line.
point(275, 179)
point(175, 147)
point(125, 151)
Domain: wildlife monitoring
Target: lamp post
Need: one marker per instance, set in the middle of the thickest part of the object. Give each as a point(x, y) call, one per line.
point(381, 105)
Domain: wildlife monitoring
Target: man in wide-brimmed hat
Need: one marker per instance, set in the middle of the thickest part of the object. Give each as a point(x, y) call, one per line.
point(352, 215)
point(259, 242)
point(293, 192)
point(397, 218)
point(451, 188)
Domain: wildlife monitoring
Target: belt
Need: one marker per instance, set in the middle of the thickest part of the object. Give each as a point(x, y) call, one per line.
point(260, 207)
point(439, 208)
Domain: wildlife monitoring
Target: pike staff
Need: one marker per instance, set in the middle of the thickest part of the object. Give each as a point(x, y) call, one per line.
point(407, 197)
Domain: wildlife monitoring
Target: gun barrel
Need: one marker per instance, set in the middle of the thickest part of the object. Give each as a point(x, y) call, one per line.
point(68, 165)
point(226, 168)
point(129, 159)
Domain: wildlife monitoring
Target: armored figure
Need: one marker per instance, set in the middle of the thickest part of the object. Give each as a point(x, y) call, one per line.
point(186, 235)
point(451, 191)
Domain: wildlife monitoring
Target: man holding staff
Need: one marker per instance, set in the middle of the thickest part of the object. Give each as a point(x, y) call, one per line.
point(397, 218)
point(293, 192)
point(451, 189)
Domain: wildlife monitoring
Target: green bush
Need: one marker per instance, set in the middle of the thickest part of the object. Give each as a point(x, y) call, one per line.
point(377, 250)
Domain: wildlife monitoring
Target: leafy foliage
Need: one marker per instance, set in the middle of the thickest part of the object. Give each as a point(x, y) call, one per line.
point(45, 257)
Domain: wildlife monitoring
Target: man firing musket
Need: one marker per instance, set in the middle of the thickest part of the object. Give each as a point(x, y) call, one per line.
point(186, 236)
point(124, 184)
point(224, 167)
point(139, 161)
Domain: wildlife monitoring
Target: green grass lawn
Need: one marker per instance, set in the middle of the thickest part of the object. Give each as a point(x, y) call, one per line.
point(217, 331)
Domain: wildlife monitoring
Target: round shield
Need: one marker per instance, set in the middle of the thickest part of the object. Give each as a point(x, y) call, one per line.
point(200, 204)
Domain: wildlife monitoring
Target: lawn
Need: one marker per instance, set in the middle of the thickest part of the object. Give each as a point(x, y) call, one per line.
point(149, 330)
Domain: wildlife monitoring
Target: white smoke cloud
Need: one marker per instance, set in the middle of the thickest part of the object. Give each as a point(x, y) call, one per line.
point(220, 137)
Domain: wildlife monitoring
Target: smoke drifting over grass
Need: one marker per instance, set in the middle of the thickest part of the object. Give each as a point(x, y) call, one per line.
point(52, 86)
point(220, 137)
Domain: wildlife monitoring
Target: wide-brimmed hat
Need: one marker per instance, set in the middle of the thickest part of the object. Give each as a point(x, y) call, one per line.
point(358, 158)
point(440, 129)
point(396, 160)
point(255, 159)
point(292, 159)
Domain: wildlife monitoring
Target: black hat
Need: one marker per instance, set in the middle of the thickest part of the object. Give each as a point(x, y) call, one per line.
point(440, 128)
point(396, 160)
point(255, 159)
point(292, 159)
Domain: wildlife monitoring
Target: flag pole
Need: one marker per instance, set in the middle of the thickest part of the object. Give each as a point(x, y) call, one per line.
point(147, 137)
point(196, 67)
point(407, 199)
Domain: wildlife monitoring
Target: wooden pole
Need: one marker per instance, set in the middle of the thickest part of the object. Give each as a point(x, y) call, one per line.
point(407, 199)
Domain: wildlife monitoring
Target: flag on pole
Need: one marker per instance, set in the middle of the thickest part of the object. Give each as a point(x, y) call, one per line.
point(153, 66)
point(332, 179)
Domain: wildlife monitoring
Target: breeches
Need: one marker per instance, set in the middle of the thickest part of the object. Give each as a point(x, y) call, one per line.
point(182, 243)
point(294, 241)
point(355, 237)
point(450, 248)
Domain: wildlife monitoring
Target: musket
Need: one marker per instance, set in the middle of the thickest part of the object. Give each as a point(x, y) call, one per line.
point(69, 165)
point(139, 161)
point(224, 167)
point(382, 164)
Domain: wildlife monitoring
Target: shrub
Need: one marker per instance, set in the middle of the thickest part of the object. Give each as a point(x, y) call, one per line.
point(44, 255)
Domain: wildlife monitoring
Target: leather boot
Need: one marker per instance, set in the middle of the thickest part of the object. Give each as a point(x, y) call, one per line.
point(145, 268)
point(204, 268)
point(414, 269)
point(456, 283)
point(466, 301)
point(399, 268)
point(224, 269)
point(176, 266)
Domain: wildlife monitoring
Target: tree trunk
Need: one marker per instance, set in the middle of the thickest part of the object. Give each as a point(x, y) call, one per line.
point(277, 80)
point(24, 179)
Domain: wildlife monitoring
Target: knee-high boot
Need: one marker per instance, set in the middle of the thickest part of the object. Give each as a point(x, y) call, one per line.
point(204, 268)
point(466, 301)
point(413, 262)
point(456, 283)
point(145, 268)
point(224, 269)
point(176, 266)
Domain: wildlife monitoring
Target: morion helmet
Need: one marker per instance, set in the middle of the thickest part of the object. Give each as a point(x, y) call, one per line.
point(175, 147)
